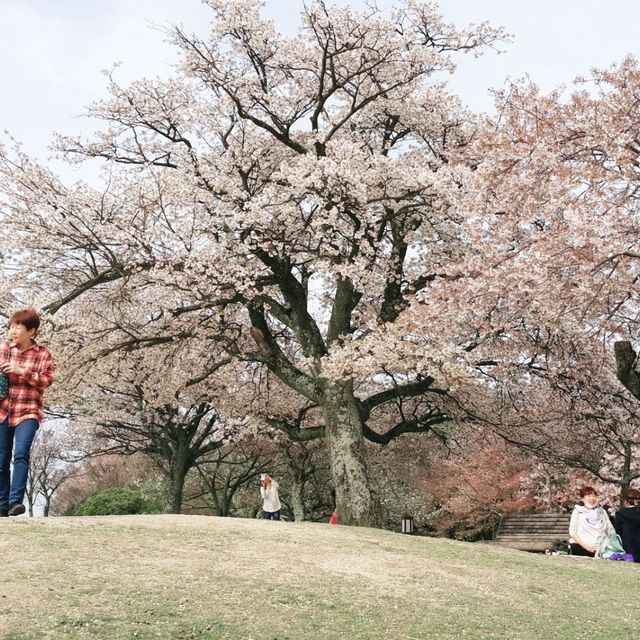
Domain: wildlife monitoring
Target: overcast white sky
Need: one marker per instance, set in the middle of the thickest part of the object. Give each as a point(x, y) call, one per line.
point(52, 51)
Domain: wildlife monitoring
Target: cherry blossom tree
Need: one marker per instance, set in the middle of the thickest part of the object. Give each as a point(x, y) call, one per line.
point(482, 480)
point(556, 186)
point(594, 424)
point(549, 271)
point(175, 435)
point(274, 206)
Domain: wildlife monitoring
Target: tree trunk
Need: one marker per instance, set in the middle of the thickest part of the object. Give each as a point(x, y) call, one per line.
point(213, 492)
point(227, 496)
point(296, 492)
point(549, 493)
point(345, 442)
point(179, 469)
point(627, 366)
point(627, 476)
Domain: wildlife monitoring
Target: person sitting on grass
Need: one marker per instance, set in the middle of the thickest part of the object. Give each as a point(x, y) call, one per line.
point(591, 531)
point(627, 523)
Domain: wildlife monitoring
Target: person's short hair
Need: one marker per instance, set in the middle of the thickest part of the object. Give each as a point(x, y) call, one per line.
point(29, 318)
point(587, 491)
point(632, 496)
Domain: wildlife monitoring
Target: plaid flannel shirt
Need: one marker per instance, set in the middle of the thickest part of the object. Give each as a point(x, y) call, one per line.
point(26, 393)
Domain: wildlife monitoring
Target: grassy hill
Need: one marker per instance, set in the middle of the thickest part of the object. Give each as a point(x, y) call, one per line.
point(202, 577)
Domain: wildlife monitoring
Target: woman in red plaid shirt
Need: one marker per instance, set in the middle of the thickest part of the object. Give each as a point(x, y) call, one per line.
point(30, 368)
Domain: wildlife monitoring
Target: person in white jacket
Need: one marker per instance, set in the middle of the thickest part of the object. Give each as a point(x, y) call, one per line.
point(270, 500)
point(590, 527)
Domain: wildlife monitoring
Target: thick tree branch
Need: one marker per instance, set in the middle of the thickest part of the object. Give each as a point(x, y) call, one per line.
point(418, 425)
point(409, 390)
point(298, 319)
point(293, 430)
point(109, 275)
point(345, 300)
point(277, 361)
point(627, 366)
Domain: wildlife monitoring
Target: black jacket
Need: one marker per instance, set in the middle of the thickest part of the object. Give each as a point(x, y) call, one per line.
point(627, 524)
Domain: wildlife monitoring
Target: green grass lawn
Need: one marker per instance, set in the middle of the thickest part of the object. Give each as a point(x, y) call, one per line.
point(201, 577)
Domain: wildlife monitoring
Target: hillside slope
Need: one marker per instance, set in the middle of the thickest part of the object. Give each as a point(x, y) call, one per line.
point(204, 577)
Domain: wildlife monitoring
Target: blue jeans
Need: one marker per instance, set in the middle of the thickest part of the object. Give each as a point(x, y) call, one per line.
point(16, 440)
point(271, 515)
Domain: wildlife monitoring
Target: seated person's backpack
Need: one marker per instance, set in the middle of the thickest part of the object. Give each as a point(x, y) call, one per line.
point(613, 550)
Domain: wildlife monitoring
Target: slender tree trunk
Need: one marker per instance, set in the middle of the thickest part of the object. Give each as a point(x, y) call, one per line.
point(354, 499)
point(179, 469)
point(627, 476)
point(213, 491)
point(228, 500)
point(296, 492)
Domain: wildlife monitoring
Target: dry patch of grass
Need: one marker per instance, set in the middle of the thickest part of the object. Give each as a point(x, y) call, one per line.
point(187, 577)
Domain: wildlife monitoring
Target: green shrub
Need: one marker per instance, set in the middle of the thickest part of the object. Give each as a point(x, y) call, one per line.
point(116, 501)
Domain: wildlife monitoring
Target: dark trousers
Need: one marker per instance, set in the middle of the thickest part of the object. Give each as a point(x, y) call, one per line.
point(15, 441)
point(271, 515)
point(577, 550)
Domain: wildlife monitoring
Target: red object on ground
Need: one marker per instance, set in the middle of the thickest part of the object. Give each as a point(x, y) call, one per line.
point(334, 518)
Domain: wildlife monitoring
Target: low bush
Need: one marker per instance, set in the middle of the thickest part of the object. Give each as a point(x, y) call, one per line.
point(116, 501)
